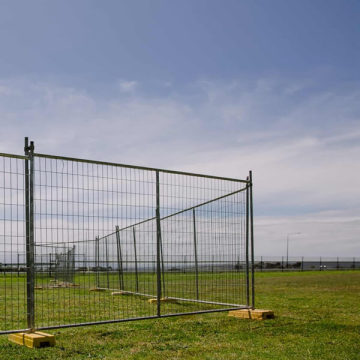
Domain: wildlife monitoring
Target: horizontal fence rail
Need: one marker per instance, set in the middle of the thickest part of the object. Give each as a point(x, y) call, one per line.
point(88, 242)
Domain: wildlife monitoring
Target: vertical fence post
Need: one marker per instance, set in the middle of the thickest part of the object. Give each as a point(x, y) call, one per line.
point(162, 268)
point(247, 246)
point(196, 258)
point(84, 263)
point(29, 213)
point(97, 258)
point(67, 265)
point(320, 264)
point(136, 265)
point(261, 264)
point(18, 265)
point(337, 263)
point(107, 263)
point(302, 263)
point(158, 242)
point(282, 264)
point(50, 263)
point(252, 242)
point(119, 259)
point(73, 263)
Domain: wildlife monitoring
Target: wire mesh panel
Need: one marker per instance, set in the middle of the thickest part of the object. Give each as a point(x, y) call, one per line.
point(12, 244)
point(76, 205)
point(203, 242)
point(202, 248)
point(127, 259)
point(64, 267)
point(87, 242)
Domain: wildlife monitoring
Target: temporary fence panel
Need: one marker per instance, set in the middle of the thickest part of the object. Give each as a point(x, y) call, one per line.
point(101, 242)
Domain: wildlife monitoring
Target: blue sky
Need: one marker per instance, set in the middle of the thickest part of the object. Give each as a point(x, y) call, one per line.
point(216, 87)
point(179, 41)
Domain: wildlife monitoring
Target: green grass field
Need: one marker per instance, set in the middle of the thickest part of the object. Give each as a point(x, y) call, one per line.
point(56, 306)
point(317, 317)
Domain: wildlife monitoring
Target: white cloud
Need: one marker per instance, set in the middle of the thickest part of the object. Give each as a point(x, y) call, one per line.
point(333, 233)
point(304, 151)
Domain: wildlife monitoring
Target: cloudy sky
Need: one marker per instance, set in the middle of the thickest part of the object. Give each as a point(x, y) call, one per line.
point(218, 87)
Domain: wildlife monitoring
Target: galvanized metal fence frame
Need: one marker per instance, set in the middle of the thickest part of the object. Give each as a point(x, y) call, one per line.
point(222, 200)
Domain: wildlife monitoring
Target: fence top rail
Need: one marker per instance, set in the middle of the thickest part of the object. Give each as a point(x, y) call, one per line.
point(23, 157)
point(97, 162)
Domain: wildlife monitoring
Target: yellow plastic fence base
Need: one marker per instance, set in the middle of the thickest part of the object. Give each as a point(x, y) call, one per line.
point(255, 314)
point(164, 299)
point(33, 340)
point(116, 293)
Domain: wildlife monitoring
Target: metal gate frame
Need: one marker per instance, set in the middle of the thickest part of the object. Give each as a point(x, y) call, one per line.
point(29, 184)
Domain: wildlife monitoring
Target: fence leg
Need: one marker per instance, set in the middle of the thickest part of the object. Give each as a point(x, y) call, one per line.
point(158, 242)
point(196, 258)
point(29, 213)
point(136, 267)
point(302, 264)
point(119, 259)
point(252, 243)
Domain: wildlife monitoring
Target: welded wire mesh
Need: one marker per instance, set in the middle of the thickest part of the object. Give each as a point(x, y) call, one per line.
point(108, 213)
point(12, 244)
point(76, 204)
point(203, 241)
point(64, 267)
point(116, 242)
point(202, 252)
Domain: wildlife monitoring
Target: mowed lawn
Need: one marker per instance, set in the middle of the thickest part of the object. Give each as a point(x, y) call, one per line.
point(317, 317)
